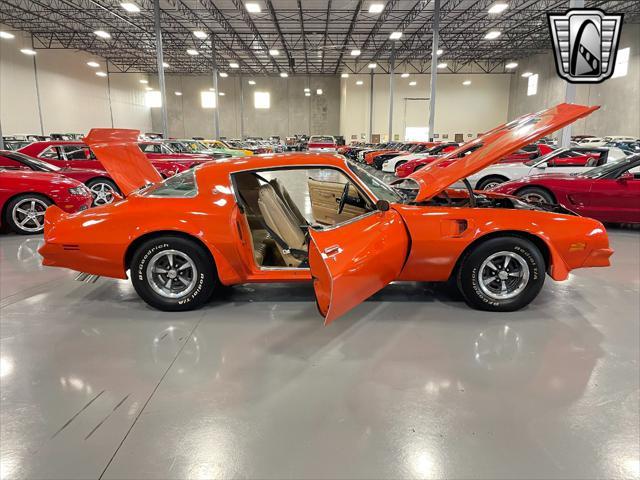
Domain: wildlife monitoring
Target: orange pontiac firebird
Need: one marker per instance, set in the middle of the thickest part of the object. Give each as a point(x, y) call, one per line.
point(236, 220)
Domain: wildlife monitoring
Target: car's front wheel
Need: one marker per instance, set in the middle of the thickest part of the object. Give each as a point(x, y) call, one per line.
point(536, 195)
point(172, 273)
point(502, 274)
point(25, 213)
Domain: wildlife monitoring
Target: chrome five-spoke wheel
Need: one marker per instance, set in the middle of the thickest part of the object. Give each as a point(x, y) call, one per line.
point(503, 275)
point(102, 193)
point(171, 274)
point(28, 214)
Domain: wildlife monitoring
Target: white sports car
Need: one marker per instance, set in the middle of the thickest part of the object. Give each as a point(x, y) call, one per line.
point(562, 160)
point(391, 164)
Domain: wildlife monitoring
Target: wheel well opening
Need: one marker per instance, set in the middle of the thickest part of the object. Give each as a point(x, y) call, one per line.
point(162, 233)
point(484, 179)
point(537, 241)
point(8, 201)
point(520, 190)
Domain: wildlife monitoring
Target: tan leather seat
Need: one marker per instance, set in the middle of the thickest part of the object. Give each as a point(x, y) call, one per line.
point(282, 221)
point(288, 201)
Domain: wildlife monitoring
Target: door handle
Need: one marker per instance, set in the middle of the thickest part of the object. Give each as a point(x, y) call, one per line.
point(332, 251)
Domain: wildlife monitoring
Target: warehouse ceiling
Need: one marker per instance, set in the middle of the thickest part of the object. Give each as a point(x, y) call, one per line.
point(310, 36)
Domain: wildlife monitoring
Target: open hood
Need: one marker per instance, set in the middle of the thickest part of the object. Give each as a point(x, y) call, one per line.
point(118, 152)
point(481, 152)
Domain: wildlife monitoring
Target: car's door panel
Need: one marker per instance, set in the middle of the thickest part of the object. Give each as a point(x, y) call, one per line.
point(614, 199)
point(351, 262)
point(324, 196)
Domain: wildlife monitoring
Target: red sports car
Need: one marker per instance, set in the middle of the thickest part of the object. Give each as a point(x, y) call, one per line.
point(609, 193)
point(78, 154)
point(98, 181)
point(25, 195)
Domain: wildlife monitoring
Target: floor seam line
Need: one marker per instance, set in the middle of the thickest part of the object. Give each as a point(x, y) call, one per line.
point(135, 420)
point(29, 292)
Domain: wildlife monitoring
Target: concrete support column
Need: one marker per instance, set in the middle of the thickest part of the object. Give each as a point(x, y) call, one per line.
point(241, 107)
point(392, 61)
point(570, 90)
point(216, 111)
point(160, 63)
point(434, 67)
point(371, 106)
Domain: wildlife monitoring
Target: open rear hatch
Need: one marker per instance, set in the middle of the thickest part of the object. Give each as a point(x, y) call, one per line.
point(118, 151)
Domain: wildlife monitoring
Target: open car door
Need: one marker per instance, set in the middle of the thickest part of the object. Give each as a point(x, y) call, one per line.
point(352, 261)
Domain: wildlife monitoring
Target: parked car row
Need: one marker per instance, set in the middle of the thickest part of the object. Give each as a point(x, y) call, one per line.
point(601, 182)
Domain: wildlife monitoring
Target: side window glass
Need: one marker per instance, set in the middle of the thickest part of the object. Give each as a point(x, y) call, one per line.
point(74, 152)
point(50, 153)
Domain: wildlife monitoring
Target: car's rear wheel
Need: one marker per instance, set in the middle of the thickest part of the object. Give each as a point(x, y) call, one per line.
point(502, 274)
point(536, 195)
point(173, 273)
point(490, 182)
point(25, 213)
point(102, 190)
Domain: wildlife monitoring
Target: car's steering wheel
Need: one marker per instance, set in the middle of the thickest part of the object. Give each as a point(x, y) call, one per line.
point(343, 198)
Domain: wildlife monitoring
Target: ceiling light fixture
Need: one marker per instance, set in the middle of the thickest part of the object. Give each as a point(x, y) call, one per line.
point(221, 94)
point(372, 65)
point(6, 35)
point(307, 90)
point(319, 91)
point(413, 84)
point(511, 65)
point(498, 7)
point(359, 82)
point(442, 65)
point(28, 51)
point(344, 75)
point(178, 94)
point(234, 65)
point(253, 7)
point(130, 7)
point(492, 35)
point(193, 52)
point(200, 34)
point(405, 75)
point(93, 64)
point(376, 8)
point(143, 81)
point(274, 52)
point(224, 74)
point(439, 51)
point(148, 89)
point(466, 83)
point(284, 74)
point(102, 34)
point(395, 36)
point(307, 94)
point(527, 74)
point(101, 74)
point(355, 53)
point(252, 82)
point(165, 65)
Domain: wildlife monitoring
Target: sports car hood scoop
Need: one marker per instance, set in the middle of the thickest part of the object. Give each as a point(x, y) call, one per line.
point(118, 152)
point(481, 152)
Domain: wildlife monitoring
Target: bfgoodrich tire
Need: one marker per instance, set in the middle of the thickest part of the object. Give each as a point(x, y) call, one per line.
point(502, 274)
point(173, 274)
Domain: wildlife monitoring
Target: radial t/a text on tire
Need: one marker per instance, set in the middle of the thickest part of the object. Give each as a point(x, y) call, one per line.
point(502, 274)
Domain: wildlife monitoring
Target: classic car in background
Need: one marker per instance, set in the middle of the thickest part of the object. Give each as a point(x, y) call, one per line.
point(391, 164)
point(322, 143)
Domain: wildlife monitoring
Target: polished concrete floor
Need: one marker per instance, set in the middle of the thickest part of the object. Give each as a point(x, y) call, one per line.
point(412, 383)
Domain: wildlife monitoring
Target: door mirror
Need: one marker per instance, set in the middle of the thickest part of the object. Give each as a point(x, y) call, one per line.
point(626, 176)
point(382, 205)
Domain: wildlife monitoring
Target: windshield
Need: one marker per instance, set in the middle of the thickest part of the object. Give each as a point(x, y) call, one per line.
point(378, 187)
point(179, 147)
point(179, 186)
point(33, 162)
point(607, 168)
point(544, 158)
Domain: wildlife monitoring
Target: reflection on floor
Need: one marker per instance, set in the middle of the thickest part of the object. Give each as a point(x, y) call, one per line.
point(412, 383)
